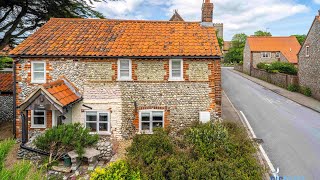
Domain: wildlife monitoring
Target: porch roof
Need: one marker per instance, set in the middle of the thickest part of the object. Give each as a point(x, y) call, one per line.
point(59, 93)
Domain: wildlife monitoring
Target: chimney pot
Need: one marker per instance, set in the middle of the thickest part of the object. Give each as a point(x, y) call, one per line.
point(319, 12)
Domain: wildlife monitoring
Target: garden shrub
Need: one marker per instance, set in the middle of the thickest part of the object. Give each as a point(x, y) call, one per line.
point(306, 91)
point(275, 67)
point(63, 138)
point(293, 88)
point(5, 62)
point(119, 170)
point(205, 151)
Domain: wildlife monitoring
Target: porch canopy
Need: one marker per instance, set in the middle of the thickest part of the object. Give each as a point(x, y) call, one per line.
point(56, 95)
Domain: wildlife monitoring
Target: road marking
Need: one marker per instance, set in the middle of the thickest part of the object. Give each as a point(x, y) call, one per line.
point(263, 152)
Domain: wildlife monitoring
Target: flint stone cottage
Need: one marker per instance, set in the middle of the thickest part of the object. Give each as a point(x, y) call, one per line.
point(268, 50)
point(118, 77)
point(309, 60)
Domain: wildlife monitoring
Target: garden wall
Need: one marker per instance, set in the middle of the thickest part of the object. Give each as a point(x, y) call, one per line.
point(279, 79)
point(6, 107)
point(238, 68)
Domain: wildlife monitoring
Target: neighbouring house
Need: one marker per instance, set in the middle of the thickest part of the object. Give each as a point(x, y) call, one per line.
point(6, 96)
point(118, 77)
point(226, 47)
point(309, 60)
point(268, 50)
point(176, 16)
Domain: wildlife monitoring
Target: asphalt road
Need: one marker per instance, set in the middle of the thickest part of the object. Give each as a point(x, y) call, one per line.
point(291, 132)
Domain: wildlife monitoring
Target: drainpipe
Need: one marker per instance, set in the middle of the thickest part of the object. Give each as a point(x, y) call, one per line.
point(24, 134)
point(14, 99)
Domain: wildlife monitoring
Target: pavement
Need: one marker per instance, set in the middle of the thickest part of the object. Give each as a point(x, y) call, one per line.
point(228, 111)
point(290, 131)
point(294, 96)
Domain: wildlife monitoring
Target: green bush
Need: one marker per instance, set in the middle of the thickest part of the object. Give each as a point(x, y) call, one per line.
point(5, 147)
point(306, 91)
point(205, 151)
point(275, 67)
point(293, 88)
point(119, 170)
point(5, 62)
point(67, 137)
point(262, 65)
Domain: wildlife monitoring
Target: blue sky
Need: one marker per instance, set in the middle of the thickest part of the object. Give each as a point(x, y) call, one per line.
point(280, 17)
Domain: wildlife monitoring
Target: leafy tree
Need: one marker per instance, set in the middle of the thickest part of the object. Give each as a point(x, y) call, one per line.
point(262, 33)
point(220, 40)
point(61, 139)
point(235, 53)
point(5, 62)
point(20, 17)
point(300, 38)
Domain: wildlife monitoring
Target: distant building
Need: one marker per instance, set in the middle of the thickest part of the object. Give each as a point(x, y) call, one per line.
point(309, 59)
point(219, 26)
point(268, 50)
point(226, 47)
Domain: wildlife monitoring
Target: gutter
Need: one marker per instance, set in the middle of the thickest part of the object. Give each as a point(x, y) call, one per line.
point(124, 57)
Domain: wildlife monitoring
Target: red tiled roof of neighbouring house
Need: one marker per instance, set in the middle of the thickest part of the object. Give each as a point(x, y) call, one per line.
point(288, 46)
point(122, 38)
point(5, 51)
point(6, 82)
point(226, 45)
point(63, 91)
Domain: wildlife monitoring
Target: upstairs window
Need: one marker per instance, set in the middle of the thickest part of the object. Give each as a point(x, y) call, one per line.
point(124, 69)
point(150, 119)
point(176, 69)
point(38, 72)
point(98, 122)
point(265, 54)
point(38, 119)
point(307, 51)
point(277, 54)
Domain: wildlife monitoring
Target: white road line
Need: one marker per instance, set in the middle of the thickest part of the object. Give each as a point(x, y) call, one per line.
point(263, 152)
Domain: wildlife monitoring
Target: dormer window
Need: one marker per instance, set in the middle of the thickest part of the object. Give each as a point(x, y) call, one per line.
point(265, 54)
point(307, 51)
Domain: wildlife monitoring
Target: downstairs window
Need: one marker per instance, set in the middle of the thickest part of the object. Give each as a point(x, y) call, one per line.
point(150, 119)
point(98, 122)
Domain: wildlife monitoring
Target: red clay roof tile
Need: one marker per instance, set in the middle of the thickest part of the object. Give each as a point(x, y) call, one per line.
point(6, 82)
point(105, 37)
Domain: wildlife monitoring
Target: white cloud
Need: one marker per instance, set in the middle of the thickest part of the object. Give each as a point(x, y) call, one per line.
point(237, 16)
point(317, 1)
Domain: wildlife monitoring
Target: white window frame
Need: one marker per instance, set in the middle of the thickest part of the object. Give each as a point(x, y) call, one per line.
point(44, 71)
point(37, 125)
point(307, 51)
point(170, 70)
point(278, 55)
point(130, 70)
point(266, 53)
point(97, 122)
point(150, 131)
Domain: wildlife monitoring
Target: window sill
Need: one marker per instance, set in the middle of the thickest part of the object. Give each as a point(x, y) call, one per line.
point(124, 80)
point(101, 133)
point(38, 127)
point(38, 82)
point(175, 79)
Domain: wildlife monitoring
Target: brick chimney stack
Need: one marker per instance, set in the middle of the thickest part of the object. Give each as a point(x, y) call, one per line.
point(207, 11)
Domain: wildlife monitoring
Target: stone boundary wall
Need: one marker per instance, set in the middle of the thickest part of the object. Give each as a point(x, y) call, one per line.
point(6, 107)
point(278, 79)
point(238, 68)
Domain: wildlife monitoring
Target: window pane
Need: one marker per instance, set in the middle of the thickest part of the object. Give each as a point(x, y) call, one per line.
point(156, 125)
point(176, 73)
point(124, 73)
point(145, 116)
point(103, 126)
point(91, 116)
point(157, 116)
point(38, 75)
point(176, 64)
point(38, 66)
point(145, 126)
point(103, 117)
point(38, 113)
point(124, 64)
point(92, 126)
point(38, 120)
